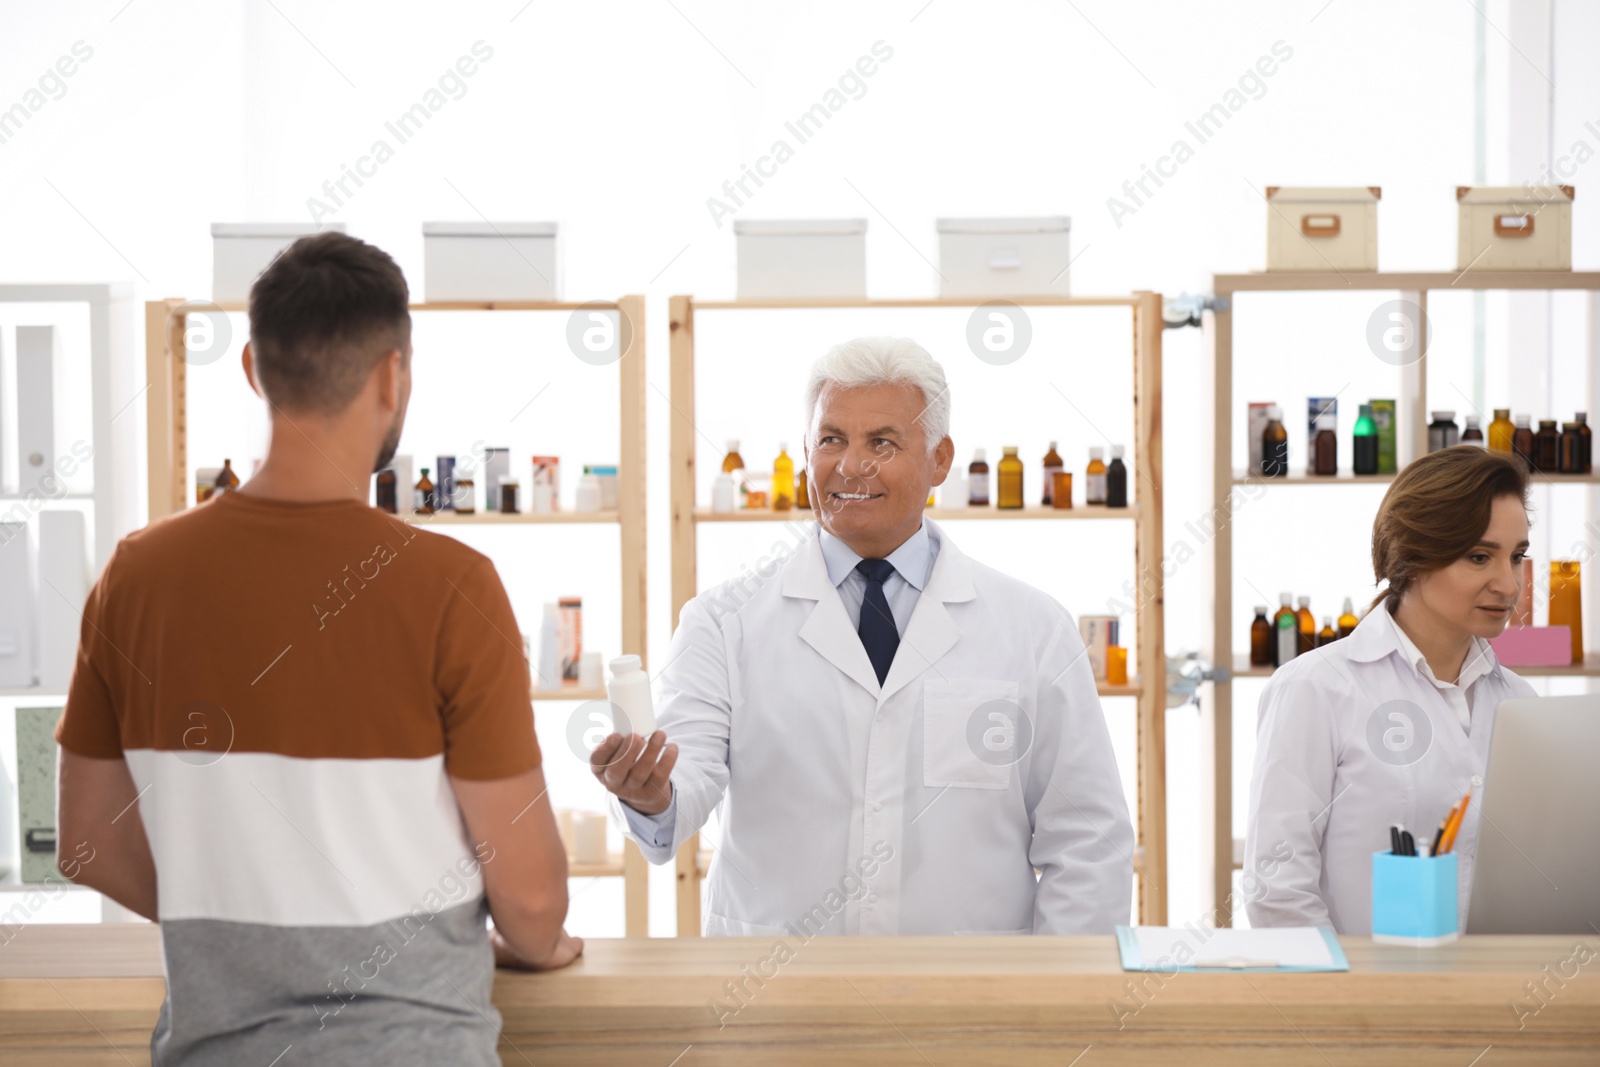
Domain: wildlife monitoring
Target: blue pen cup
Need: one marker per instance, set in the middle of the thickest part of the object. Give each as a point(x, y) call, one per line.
point(1414, 899)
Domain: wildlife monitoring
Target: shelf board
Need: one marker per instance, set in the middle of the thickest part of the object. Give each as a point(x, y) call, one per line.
point(846, 303)
point(1589, 668)
point(569, 692)
point(612, 868)
point(495, 518)
point(1300, 477)
point(34, 691)
point(1404, 281)
point(1032, 511)
point(487, 305)
point(1132, 689)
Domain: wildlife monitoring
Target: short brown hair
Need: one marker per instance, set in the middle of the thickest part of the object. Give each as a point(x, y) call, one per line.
point(1437, 509)
point(321, 315)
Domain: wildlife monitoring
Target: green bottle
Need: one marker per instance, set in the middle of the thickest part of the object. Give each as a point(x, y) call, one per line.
point(1366, 442)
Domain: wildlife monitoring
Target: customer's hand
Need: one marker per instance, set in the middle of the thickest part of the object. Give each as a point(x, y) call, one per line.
point(568, 948)
point(636, 771)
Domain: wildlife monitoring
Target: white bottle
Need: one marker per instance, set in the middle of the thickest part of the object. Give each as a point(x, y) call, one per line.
point(722, 493)
point(629, 690)
point(549, 666)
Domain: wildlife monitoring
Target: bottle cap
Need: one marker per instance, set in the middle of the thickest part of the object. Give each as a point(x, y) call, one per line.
point(1052, 447)
point(552, 611)
point(1327, 620)
point(1348, 606)
point(1097, 453)
point(1009, 450)
point(1324, 421)
point(1472, 420)
point(1116, 452)
point(1305, 601)
point(1544, 424)
point(1503, 413)
point(1444, 416)
point(1274, 411)
point(424, 472)
point(625, 664)
point(977, 455)
point(1285, 598)
point(1581, 416)
point(1365, 411)
point(733, 444)
point(783, 446)
point(1522, 420)
point(1261, 609)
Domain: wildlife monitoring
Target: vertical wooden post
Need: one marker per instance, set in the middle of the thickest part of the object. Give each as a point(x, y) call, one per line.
point(1222, 612)
point(1149, 623)
point(166, 411)
point(632, 476)
point(681, 451)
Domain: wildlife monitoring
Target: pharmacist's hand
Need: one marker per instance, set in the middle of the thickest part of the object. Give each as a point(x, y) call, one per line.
point(636, 770)
point(567, 949)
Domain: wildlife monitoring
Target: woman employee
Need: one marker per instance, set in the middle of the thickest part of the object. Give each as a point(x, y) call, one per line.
point(1391, 724)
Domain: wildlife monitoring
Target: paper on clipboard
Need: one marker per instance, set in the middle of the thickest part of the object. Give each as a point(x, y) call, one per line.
point(1196, 948)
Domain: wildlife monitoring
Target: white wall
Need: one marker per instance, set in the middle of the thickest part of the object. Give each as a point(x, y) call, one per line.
point(623, 119)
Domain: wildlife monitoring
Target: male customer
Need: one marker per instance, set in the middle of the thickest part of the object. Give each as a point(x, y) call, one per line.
point(900, 735)
point(298, 733)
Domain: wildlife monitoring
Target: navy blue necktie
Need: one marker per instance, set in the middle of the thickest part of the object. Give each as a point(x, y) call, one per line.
point(877, 621)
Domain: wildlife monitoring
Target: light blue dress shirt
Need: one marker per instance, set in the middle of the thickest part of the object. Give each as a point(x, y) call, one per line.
point(913, 564)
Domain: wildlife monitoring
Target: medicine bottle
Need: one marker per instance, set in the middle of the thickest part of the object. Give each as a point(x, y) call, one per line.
point(1501, 431)
point(978, 480)
point(1052, 464)
point(1275, 445)
point(1094, 480)
point(1010, 479)
point(1116, 480)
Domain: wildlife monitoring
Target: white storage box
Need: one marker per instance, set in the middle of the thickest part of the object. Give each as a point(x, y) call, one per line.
point(485, 261)
point(64, 574)
point(19, 599)
point(1504, 227)
point(1322, 229)
point(40, 410)
point(240, 251)
point(784, 259)
point(1004, 257)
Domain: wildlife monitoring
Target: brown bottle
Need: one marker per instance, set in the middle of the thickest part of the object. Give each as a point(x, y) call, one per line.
point(978, 480)
point(1587, 439)
point(388, 499)
point(1009, 480)
point(1327, 635)
point(1547, 447)
point(426, 500)
point(1275, 445)
point(1571, 449)
point(1522, 441)
point(801, 499)
point(1307, 624)
point(227, 479)
point(1116, 480)
point(1347, 619)
point(1325, 449)
point(1501, 431)
point(1261, 640)
point(1052, 464)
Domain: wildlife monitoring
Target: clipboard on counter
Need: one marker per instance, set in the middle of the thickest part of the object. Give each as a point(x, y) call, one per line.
point(1223, 951)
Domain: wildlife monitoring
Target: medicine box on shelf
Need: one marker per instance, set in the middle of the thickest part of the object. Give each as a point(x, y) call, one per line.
point(797, 258)
point(1322, 228)
point(1004, 257)
point(240, 251)
point(1503, 227)
point(488, 261)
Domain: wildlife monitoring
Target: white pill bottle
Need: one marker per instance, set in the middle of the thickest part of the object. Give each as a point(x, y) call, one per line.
point(629, 689)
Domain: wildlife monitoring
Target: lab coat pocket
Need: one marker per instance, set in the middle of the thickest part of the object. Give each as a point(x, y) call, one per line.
point(722, 926)
point(970, 733)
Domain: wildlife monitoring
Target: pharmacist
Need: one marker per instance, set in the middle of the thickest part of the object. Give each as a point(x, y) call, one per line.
point(1391, 725)
point(898, 735)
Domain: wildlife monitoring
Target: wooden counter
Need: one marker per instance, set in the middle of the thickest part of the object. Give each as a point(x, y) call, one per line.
point(89, 995)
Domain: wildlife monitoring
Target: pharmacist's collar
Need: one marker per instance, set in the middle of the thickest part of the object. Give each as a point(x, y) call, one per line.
point(913, 560)
point(1378, 635)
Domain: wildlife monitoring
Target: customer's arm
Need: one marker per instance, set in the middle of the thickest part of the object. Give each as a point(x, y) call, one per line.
point(495, 769)
point(100, 840)
point(524, 866)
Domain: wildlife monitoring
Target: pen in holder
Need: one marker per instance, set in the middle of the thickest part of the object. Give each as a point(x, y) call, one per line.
point(1414, 899)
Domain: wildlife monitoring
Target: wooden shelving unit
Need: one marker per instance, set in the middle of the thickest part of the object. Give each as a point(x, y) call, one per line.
point(1411, 441)
point(168, 473)
point(1147, 683)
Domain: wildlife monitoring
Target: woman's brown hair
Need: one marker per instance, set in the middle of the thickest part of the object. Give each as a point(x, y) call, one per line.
point(1437, 509)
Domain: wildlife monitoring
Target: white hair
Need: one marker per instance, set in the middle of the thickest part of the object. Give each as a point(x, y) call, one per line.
point(885, 361)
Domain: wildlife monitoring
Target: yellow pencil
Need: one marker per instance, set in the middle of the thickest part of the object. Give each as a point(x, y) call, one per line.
point(1454, 827)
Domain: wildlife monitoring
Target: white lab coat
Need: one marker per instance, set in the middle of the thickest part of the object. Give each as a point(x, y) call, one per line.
point(850, 808)
point(1327, 785)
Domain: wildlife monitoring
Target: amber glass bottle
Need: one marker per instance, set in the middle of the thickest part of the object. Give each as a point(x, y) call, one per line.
point(978, 480)
point(732, 461)
point(1261, 639)
point(1547, 447)
point(1501, 431)
point(1307, 624)
point(1325, 449)
point(1052, 464)
point(1095, 478)
point(1522, 441)
point(1327, 635)
point(1009, 480)
point(801, 498)
point(227, 479)
point(427, 500)
point(1116, 480)
point(1347, 619)
point(1275, 445)
point(388, 500)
